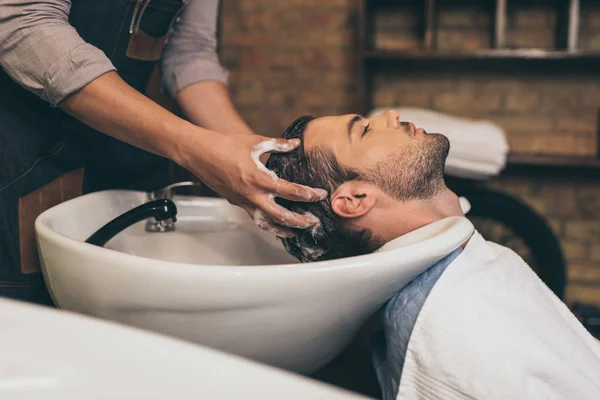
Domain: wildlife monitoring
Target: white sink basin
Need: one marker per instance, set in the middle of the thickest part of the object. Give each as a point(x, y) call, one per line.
point(220, 281)
point(207, 231)
point(56, 355)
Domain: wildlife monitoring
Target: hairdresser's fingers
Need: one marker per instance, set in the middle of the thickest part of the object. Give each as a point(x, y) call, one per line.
point(285, 217)
point(271, 183)
point(261, 220)
point(296, 192)
point(284, 145)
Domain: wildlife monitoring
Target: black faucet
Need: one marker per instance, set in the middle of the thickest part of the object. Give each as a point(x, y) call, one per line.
point(163, 211)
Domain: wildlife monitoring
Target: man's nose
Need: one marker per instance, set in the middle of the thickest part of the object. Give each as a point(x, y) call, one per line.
point(392, 118)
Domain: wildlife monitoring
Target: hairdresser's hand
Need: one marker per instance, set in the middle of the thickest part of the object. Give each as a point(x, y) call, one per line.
point(230, 167)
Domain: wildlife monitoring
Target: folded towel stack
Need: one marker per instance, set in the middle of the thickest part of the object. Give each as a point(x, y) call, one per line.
point(478, 148)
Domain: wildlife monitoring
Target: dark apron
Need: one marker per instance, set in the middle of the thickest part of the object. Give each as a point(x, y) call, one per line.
point(47, 157)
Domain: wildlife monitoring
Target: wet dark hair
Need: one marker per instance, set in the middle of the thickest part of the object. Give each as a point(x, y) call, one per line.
point(318, 168)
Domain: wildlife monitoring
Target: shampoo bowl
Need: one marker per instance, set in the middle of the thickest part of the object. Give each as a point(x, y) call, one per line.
point(219, 281)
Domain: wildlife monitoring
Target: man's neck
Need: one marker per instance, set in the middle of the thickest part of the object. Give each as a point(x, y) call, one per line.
point(398, 218)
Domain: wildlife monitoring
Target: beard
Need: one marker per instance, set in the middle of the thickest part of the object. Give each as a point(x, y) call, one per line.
point(415, 173)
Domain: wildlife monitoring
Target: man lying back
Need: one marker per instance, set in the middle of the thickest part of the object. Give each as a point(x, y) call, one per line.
point(477, 324)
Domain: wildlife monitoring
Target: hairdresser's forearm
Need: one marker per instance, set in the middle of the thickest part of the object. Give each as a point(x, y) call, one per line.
point(207, 104)
point(111, 106)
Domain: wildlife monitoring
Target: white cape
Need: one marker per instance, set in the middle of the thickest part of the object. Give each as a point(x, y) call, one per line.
point(491, 329)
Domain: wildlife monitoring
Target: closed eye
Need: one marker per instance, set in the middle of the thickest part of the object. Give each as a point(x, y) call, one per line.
point(366, 130)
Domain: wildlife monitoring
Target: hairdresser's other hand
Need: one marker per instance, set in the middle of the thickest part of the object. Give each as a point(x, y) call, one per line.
point(229, 169)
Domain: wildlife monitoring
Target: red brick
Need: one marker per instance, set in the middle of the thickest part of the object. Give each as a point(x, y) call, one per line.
point(336, 79)
point(588, 196)
point(534, 18)
point(574, 250)
point(252, 59)
point(229, 58)
point(595, 252)
point(521, 101)
point(395, 20)
point(464, 100)
point(527, 124)
point(337, 38)
point(388, 97)
point(584, 124)
point(301, 78)
point(284, 59)
point(553, 187)
point(326, 58)
point(257, 20)
point(559, 102)
point(414, 99)
point(552, 145)
point(320, 98)
point(384, 41)
point(591, 17)
point(584, 272)
point(384, 98)
point(566, 207)
point(590, 41)
point(529, 38)
point(456, 18)
point(463, 40)
point(248, 6)
point(516, 186)
point(591, 102)
point(290, 4)
point(584, 293)
point(583, 230)
point(281, 98)
point(413, 83)
point(248, 95)
point(483, 19)
point(561, 198)
point(322, 19)
point(250, 40)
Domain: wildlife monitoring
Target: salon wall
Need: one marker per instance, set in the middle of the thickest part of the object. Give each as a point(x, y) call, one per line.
point(291, 57)
point(288, 57)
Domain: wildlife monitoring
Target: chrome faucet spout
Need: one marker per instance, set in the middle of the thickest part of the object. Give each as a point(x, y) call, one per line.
point(167, 191)
point(152, 225)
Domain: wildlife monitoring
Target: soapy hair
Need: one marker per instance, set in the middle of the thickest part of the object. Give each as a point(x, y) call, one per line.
point(332, 238)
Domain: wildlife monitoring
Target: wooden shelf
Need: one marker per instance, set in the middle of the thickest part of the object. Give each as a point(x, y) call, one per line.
point(492, 54)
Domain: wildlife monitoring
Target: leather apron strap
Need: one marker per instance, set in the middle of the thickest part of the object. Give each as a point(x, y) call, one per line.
point(63, 188)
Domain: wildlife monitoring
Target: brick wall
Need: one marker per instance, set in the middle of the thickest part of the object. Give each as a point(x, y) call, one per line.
point(287, 58)
point(292, 57)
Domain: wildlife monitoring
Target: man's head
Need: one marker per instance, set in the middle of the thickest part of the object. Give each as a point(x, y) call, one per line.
point(364, 164)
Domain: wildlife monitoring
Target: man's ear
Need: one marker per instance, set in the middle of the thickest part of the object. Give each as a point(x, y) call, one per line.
point(353, 199)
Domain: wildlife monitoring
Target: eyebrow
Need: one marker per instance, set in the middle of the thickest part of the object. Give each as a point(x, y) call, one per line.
point(354, 120)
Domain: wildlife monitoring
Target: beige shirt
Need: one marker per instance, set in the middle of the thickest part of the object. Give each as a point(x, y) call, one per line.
point(41, 51)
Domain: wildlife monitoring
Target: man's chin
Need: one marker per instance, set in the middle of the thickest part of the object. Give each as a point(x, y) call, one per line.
point(437, 137)
point(441, 144)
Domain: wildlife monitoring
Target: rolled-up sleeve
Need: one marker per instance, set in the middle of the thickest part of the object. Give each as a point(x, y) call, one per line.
point(41, 51)
point(190, 54)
